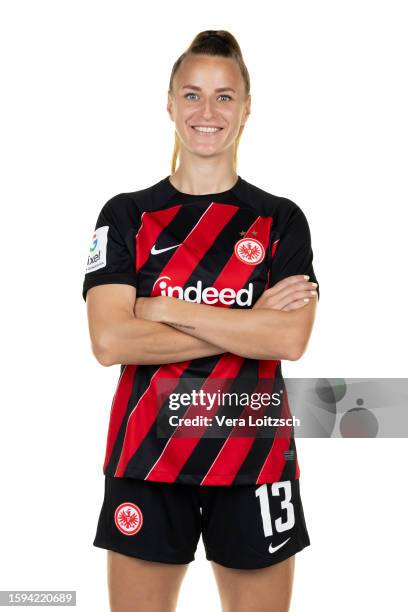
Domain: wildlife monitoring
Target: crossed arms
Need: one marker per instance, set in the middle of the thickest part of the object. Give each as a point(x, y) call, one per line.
point(125, 329)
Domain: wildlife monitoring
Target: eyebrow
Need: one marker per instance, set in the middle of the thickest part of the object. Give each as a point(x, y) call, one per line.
point(199, 88)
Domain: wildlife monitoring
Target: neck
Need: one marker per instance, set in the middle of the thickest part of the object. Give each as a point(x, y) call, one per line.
point(201, 178)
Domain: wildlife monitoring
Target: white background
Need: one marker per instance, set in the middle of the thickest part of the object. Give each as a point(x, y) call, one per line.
point(84, 118)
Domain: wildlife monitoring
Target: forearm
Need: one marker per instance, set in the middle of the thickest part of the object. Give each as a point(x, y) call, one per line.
point(252, 333)
point(139, 341)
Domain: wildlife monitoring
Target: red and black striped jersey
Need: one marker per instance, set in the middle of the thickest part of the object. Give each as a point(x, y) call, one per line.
point(220, 249)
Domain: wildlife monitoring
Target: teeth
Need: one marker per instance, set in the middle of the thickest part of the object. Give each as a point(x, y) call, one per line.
point(206, 129)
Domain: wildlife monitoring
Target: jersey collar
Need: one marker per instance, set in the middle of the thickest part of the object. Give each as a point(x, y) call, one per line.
point(164, 190)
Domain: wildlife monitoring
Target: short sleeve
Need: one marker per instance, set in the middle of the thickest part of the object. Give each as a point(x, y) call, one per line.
point(111, 257)
point(291, 249)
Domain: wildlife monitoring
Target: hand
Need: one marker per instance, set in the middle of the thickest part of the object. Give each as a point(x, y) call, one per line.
point(149, 308)
point(288, 294)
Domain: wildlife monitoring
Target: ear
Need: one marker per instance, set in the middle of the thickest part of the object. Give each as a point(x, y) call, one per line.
point(170, 106)
point(247, 110)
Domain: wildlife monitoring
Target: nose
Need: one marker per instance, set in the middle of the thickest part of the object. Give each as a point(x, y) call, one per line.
point(207, 109)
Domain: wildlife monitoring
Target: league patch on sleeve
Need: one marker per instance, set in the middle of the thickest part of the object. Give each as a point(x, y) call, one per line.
point(97, 250)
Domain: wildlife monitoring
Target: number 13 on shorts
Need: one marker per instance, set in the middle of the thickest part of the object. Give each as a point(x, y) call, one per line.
point(282, 523)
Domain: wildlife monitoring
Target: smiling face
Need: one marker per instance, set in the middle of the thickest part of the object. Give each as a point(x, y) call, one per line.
point(208, 103)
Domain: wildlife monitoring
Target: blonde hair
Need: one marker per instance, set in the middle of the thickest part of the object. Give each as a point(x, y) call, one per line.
point(211, 42)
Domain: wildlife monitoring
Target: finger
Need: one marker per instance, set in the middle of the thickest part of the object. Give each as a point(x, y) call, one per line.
point(288, 288)
point(291, 280)
point(296, 305)
point(294, 293)
point(281, 300)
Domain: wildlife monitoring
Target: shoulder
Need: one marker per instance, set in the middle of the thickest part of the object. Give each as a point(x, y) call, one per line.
point(282, 209)
point(126, 208)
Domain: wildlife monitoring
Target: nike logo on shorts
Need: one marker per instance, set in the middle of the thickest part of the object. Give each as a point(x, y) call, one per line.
point(273, 549)
point(155, 251)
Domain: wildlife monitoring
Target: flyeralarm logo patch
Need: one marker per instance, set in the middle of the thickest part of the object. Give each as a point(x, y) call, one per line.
point(249, 251)
point(97, 250)
point(128, 518)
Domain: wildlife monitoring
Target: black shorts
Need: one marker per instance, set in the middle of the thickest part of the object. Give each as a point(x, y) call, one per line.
point(243, 526)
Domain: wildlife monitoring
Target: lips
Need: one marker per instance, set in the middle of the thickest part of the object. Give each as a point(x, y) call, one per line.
point(206, 132)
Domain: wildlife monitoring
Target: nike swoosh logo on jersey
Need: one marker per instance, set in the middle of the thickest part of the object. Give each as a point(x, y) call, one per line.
point(155, 251)
point(273, 549)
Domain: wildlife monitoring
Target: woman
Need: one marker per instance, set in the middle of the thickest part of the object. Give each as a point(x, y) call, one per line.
point(196, 286)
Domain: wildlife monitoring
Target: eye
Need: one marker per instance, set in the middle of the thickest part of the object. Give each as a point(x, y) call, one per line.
point(194, 94)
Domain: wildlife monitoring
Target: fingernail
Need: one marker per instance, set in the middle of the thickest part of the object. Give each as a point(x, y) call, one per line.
point(314, 284)
point(305, 276)
point(305, 299)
